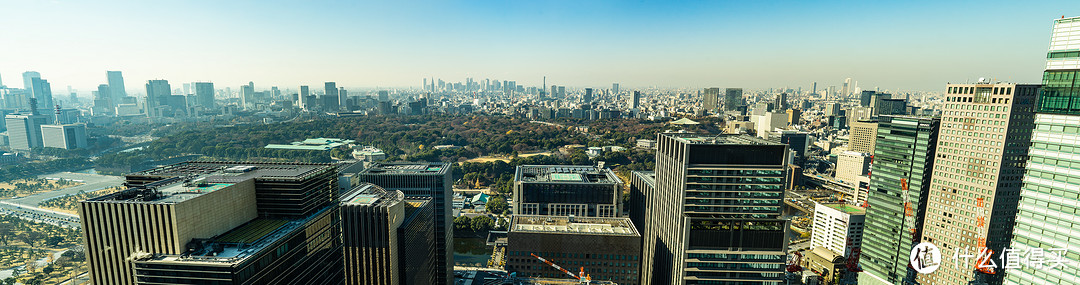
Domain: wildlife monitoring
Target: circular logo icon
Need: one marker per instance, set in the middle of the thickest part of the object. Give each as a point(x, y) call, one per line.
point(925, 258)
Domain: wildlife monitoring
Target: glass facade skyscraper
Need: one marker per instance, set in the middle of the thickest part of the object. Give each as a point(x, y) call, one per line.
point(899, 183)
point(1050, 194)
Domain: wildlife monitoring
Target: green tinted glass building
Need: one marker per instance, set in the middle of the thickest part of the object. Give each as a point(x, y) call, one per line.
point(904, 155)
point(1050, 194)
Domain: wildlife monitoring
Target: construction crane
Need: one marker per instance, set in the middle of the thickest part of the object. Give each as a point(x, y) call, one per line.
point(793, 263)
point(580, 276)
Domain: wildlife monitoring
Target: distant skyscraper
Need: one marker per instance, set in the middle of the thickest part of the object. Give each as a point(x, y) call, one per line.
point(103, 103)
point(27, 77)
point(1048, 208)
point(384, 96)
point(615, 88)
point(845, 91)
point(899, 190)
point(42, 91)
point(813, 90)
point(733, 99)
point(427, 180)
point(247, 95)
point(116, 86)
point(635, 101)
point(987, 181)
point(710, 100)
point(330, 89)
point(690, 237)
point(588, 97)
point(304, 102)
point(204, 94)
point(157, 96)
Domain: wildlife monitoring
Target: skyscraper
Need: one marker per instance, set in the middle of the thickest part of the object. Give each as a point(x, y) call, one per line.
point(247, 96)
point(157, 96)
point(635, 101)
point(388, 238)
point(103, 103)
point(330, 90)
point(204, 94)
point(733, 99)
point(1048, 208)
point(985, 134)
point(710, 100)
point(303, 98)
point(427, 180)
point(717, 198)
point(116, 86)
point(588, 97)
point(899, 190)
point(42, 91)
point(845, 91)
point(27, 77)
point(615, 88)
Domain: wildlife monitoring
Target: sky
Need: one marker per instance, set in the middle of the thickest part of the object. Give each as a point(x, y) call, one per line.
point(895, 45)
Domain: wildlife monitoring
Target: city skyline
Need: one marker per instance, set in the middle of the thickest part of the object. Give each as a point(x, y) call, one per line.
point(592, 44)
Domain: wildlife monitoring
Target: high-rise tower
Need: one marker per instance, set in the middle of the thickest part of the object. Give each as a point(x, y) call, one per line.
point(1048, 208)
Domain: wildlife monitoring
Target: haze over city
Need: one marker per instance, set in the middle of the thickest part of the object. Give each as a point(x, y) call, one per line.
point(750, 44)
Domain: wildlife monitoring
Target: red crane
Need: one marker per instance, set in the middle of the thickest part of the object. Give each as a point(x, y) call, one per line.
point(793, 262)
point(582, 278)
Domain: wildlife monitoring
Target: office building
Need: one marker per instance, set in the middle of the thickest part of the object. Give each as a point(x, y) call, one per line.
point(564, 190)
point(605, 249)
point(330, 90)
point(69, 136)
point(24, 131)
point(423, 179)
point(710, 100)
point(733, 99)
point(217, 222)
point(863, 136)
point(635, 101)
point(866, 98)
point(850, 165)
point(642, 184)
point(715, 214)
point(588, 97)
point(204, 94)
point(247, 96)
point(899, 190)
point(985, 133)
point(794, 116)
point(157, 97)
point(28, 77)
point(615, 88)
point(117, 91)
point(838, 227)
point(387, 238)
point(798, 143)
point(42, 91)
point(1048, 209)
point(845, 90)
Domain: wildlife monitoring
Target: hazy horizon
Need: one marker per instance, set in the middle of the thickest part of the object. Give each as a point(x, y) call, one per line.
point(915, 46)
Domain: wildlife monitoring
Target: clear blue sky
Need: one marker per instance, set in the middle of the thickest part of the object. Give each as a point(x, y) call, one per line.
point(915, 45)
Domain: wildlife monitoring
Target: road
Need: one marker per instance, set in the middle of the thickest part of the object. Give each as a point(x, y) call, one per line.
point(27, 207)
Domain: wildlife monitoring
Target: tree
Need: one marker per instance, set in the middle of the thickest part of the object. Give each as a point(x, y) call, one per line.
point(496, 204)
point(462, 223)
point(482, 224)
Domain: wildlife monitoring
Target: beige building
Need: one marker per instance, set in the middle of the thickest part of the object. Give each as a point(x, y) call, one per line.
point(863, 137)
point(850, 165)
point(158, 218)
point(975, 188)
